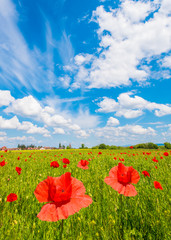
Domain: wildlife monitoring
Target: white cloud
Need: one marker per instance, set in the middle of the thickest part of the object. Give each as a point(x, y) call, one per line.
point(112, 121)
point(19, 107)
point(12, 123)
point(3, 134)
point(59, 131)
point(49, 117)
point(125, 134)
point(20, 65)
point(128, 35)
point(167, 62)
point(81, 134)
point(5, 98)
point(132, 107)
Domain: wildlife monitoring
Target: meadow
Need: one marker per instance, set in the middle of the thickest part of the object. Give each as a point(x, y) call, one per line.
point(110, 215)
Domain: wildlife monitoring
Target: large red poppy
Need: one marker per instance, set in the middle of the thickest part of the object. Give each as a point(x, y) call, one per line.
point(18, 169)
point(165, 154)
point(65, 196)
point(83, 164)
point(11, 197)
point(121, 179)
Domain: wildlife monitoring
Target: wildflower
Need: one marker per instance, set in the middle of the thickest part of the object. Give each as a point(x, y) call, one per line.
point(83, 164)
point(121, 179)
point(157, 185)
point(65, 196)
point(11, 197)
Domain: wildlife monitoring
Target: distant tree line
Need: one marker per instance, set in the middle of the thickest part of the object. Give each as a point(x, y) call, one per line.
point(149, 145)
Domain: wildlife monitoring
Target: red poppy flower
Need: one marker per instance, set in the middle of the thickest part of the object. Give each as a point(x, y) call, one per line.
point(2, 163)
point(83, 164)
point(66, 160)
point(156, 167)
point(154, 159)
point(100, 153)
point(54, 164)
point(64, 166)
point(131, 147)
point(18, 169)
point(121, 179)
point(65, 196)
point(11, 197)
point(166, 154)
point(18, 158)
point(146, 173)
point(5, 150)
point(157, 185)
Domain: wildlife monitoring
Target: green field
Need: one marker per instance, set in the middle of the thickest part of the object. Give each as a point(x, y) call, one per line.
point(110, 216)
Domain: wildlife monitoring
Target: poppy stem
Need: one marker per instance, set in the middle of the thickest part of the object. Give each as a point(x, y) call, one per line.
point(122, 213)
point(62, 227)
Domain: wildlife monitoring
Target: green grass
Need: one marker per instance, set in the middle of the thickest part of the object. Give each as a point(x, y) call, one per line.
point(110, 216)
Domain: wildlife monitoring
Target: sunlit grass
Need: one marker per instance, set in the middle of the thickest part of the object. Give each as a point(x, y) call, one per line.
point(110, 216)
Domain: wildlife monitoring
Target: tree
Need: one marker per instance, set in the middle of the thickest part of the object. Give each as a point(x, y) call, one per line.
point(60, 145)
point(167, 145)
point(102, 146)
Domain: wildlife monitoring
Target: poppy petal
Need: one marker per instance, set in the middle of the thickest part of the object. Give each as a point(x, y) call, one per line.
point(48, 213)
point(135, 177)
point(77, 203)
point(42, 190)
point(77, 188)
point(114, 184)
point(130, 191)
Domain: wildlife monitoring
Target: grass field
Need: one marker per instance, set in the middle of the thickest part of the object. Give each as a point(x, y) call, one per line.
point(110, 216)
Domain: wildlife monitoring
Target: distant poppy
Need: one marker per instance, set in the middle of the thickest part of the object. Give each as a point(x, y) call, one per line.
point(145, 173)
point(5, 150)
point(121, 179)
point(154, 159)
point(65, 196)
point(100, 153)
point(131, 147)
point(165, 154)
point(54, 164)
point(11, 197)
point(64, 166)
point(2, 163)
point(156, 167)
point(161, 157)
point(18, 169)
point(65, 160)
point(157, 185)
point(83, 164)
point(18, 158)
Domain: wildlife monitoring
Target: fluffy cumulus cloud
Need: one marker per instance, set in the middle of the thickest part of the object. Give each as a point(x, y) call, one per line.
point(14, 123)
point(129, 36)
point(59, 131)
point(124, 134)
point(29, 107)
point(112, 121)
point(5, 98)
point(130, 106)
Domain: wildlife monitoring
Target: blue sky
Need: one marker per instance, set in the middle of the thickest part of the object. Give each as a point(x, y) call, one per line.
point(90, 71)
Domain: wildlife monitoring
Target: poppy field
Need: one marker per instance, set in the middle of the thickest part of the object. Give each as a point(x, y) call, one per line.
point(85, 194)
